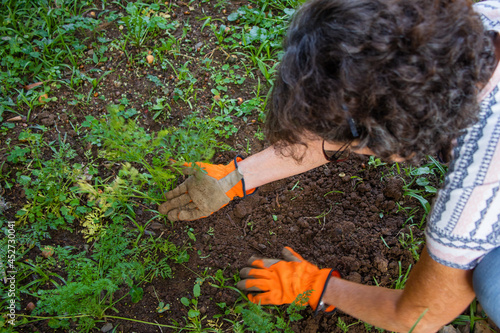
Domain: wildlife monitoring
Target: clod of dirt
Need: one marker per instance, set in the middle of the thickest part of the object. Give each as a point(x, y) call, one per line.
point(364, 188)
point(393, 188)
point(348, 227)
point(354, 277)
point(240, 211)
point(381, 264)
point(302, 222)
point(30, 307)
point(46, 118)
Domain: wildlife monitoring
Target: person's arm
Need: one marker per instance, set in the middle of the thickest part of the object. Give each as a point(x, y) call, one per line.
point(200, 196)
point(443, 291)
point(269, 165)
point(206, 193)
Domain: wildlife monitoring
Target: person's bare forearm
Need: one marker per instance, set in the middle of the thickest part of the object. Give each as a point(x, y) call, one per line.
point(442, 296)
point(374, 305)
point(269, 165)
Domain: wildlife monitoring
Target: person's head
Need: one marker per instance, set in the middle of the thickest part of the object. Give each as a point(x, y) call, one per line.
point(406, 71)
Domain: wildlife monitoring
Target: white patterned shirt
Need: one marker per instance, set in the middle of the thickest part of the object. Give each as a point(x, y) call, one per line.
point(465, 221)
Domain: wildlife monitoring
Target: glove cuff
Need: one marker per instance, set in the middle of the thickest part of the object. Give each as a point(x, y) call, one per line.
point(239, 190)
point(320, 286)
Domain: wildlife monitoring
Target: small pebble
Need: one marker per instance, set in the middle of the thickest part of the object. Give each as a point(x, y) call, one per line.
point(107, 327)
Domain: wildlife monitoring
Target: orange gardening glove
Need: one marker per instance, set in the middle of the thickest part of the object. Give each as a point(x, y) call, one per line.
point(204, 192)
point(273, 281)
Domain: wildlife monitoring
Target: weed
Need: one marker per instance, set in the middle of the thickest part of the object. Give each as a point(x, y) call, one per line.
point(47, 185)
point(259, 320)
point(470, 318)
point(402, 278)
point(126, 141)
point(143, 22)
point(375, 162)
point(93, 281)
point(408, 241)
point(194, 320)
point(162, 307)
point(369, 327)
point(343, 326)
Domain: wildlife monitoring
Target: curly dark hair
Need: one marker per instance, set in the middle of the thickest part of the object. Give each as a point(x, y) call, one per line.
point(406, 71)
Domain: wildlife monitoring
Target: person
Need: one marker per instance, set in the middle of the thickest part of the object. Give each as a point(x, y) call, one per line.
point(398, 79)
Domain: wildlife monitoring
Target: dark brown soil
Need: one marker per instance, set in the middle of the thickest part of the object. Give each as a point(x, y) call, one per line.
point(341, 215)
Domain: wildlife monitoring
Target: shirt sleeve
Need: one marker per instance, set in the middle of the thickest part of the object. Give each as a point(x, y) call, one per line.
point(464, 224)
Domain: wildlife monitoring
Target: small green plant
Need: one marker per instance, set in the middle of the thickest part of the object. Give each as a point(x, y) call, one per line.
point(144, 22)
point(344, 326)
point(375, 162)
point(413, 244)
point(48, 185)
point(356, 180)
point(322, 215)
point(369, 327)
point(402, 278)
point(258, 320)
point(195, 318)
point(162, 307)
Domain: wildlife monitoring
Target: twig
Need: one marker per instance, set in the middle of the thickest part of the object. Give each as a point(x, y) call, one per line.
point(159, 326)
point(245, 225)
point(230, 219)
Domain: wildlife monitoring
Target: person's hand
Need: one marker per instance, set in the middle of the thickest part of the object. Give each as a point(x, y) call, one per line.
point(204, 193)
point(273, 281)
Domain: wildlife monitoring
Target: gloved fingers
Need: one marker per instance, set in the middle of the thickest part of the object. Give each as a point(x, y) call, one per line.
point(290, 255)
point(191, 212)
point(176, 192)
point(173, 215)
point(269, 262)
point(251, 285)
point(259, 262)
point(188, 171)
point(253, 289)
point(176, 204)
point(180, 202)
point(176, 214)
point(270, 297)
point(255, 273)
